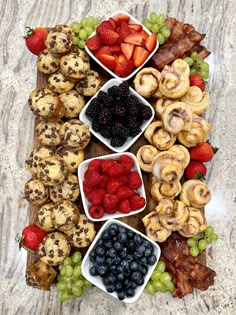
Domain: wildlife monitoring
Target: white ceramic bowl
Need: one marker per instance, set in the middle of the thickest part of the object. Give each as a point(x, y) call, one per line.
point(86, 203)
point(86, 263)
point(130, 140)
point(131, 21)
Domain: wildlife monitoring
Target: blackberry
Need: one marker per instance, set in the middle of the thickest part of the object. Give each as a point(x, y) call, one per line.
point(120, 131)
point(104, 99)
point(133, 100)
point(93, 109)
point(106, 131)
point(132, 122)
point(124, 89)
point(146, 112)
point(96, 126)
point(135, 131)
point(120, 110)
point(133, 109)
point(105, 116)
point(117, 141)
point(114, 91)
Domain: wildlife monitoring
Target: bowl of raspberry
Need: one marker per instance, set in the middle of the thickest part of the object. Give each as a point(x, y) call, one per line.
point(111, 186)
point(117, 115)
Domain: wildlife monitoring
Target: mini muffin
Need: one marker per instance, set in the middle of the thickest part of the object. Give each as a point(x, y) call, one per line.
point(46, 105)
point(82, 234)
point(58, 83)
point(36, 192)
point(73, 103)
point(54, 248)
point(64, 28)
point(44, 220)
point(89, 85)
point(35, 157)
point(75, 134)
point(71, 156)
point(47, 133)
point(65, 215)
point(52, 170)
point(47, 62)
point(57, 41)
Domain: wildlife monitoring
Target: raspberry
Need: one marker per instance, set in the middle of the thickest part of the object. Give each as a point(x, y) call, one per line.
point(94, 179)
point(86, 188)
point(113, 186)
point(134, 180)
point(95, 165)
point(107, 164)
point(96, 211)
point(124, 206)
point(117, 170)
point(123, 179)
point(96, 196)
point(137, 202)
point(124, 192)
point(110, 201)
point(126, 159)
point(104, 182)
point(111, 211)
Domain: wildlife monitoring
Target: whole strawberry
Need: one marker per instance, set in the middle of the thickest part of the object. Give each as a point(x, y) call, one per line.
point(196, 80)
point(196, 170)
point(204, 152)
point(34, 39)
point(31, 237)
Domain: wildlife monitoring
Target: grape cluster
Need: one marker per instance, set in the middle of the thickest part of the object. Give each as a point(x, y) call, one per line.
point(83, 30)
point(70, 280)
point(160, 280)
point(199, 242)
point(156, 24)
point(198, 65)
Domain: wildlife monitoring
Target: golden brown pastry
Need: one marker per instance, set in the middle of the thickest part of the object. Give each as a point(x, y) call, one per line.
point(73, 103)
point(89, 85)
point(154, 229)
point(160, 105)
point(57, 41)
point(196, 134)
point(58, 83)
point(71, 156)
point(145, 157)
point(158, 136)
point(196, 223)
point(36, 193)
point(147, 81)
point(35, 157)
point(47, 62)
point(157, 94)
point(182, 66)
point(197, 99)
point(44, 219)
point(174, 83)
point(47, 133)
point(183, 155)
point(195, 193)
point(162, 190)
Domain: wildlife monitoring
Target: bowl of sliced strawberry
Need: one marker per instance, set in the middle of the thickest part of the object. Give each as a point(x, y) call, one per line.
point(121, 45)
point(111, 186)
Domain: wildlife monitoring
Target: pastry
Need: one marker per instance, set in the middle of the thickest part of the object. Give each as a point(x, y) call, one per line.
point(197, 99)
point(160, 105)
point(57, 41)
point(35, 192)
point(195, 193)
point(182, 66)
point(44, 220)
point(173, 83)
point(176, 117)
point(65, 215)
point(147, 81)
point(160, 191)
point(64, 28)
point(145, 157)
point(68, 190)
point(82, 234)
point(45, 104)
point(35, 157)
point(197, 133)
point(47, 133)
point(54, 248)
point(89, 85)
point(73, 103)
point(40, 275)
point(58, 83)
point(196, 223)
point(52, 170)
point(47, 62)
point(71, 156)
point(158, 136)
point(183, 155)
point(154, 229)
point(75, 134)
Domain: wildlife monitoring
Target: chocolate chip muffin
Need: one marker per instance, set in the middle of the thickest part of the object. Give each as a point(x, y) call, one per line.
point(35, 157)
point(47, 62)
point(65, 215)
point(46, 105)
point(89, 85)
point(54, 248)
point(52, 171)
point(57, 41)
point(58, 83)
point(75, 134)
point(44, 220)
point(64, 28)
point(73, 103)
point(71, 156)
point(35, 192)
point(48, 133)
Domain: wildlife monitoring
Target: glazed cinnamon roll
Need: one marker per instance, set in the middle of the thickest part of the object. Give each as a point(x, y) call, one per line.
point(165, 206)
point(176, 117)
point(145, 156)
point(158, 136)
point(197, 99)
point(147, 81)
point(196, 223)
point(160, 191)
point(182, 66)
point(161, 104)
point(157, 94)
point(154, 229)
point(196, 134)
point(174, 83)
point(182, 154)
point(195, 193)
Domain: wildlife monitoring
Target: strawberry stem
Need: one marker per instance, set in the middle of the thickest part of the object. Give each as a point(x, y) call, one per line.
point(29, 32)
point(199, 175)
point(19, 240)
point(215, 149)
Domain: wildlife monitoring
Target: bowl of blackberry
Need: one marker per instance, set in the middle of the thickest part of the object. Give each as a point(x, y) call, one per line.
point(117, 115)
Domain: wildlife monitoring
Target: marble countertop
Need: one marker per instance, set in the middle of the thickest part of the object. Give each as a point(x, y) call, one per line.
point(18, 78)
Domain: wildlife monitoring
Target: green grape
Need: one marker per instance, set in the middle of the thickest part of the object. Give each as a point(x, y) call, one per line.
point(84, 21)
point(189, 61)
point(153, 17)
point(67, 261)
point(165, 32)
point(194, 55)
point(202, 244)
point(160, 38)
point(194, 251)
point(89, 30)
point(69, 286)
point(156, 275)
point(77, 271)
point(159, 286)
point(96, 22)
point(77, 257)
point(81, 44)
point(63, 271)
point(170, 286)
point(155, 28)
point(161, 19)
point(191, 242)
point(59, 277)
point(83, 34)
point(209, 230)
point(75, 27)
point(79, 283)
point(204, 66)
point(213, 236)
point(60, 267)
point(90, 21)
point(69, 271)
point(87, 284)
point(161, 266)
point(193, 71)
point(199, 235)
point(61, 286)
point(165, 277)
point(150, 289)
point(204, 75)
point(148, 24)
point(77, 291)
point(208, 240)
point(64, 296)
point(75, 40)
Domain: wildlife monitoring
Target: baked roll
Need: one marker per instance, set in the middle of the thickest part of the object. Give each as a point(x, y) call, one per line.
point(195, 193)
point(89, 85)
point(196, 223)
point(197, 99)
point(71, 156)
point(182, 153)
point(73, 103)
point(44, 219)
point(35, 157)
point(182, 66)
point(145, 157)
point(147, 81)
point(36, 193)
point(154, 229)
point(48, 133)
point(161, 104)
point(162, 190)
point(173, 83)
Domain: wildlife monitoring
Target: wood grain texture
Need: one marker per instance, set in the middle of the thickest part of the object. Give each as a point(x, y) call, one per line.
point(18, 78)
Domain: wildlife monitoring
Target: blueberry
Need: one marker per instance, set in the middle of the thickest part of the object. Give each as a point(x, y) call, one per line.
point(123, 253)
point(138, 239)
point(120, 276)
point(99, 242)
point(121, 229)
point(125, 264)
point(110, 288)
point(110, 279)
point(108, 244)
point(121, 295)
point(140, 281)
point(130, 292)
point(114, 226)
point(140, 249)
point(118, 246)
point(109, 261)
point(113, 269)
point(100, 251)
point(129, 258)
point(127, 283)
point(105, 235)
point(133, 285)
point(131, 245)
point(112, 252)
point(146, 243)
point(130, 234)
point(151, 260)
point(137, 255)
point(112, 232)
point(122, 238)
point(117, 260)
point(92, 255)
point(100, 260)
point(143, 269)
point(148, 252)
point(143, 260)
point(135, 276)
point(102, 270)
point(134, 266)
point(93, 271)
point(120, 268)
point(118, 285)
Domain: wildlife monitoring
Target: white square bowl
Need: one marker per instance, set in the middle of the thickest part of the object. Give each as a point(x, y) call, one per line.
point(130, 140)
point(86, 263)
point(131, 21)
point(86, 203)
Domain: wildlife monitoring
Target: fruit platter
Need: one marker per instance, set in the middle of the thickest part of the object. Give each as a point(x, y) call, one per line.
point(119, 164)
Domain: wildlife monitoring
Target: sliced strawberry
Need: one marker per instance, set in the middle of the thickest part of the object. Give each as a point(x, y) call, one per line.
point(108, 36)
point(107, 60)
point(122, 17)
point(127, 50)
point(113, 23)
point(123, 70)
point(123, 31)
point(104, 50)
point(139, 56)
point(115, 49)
point(151, 42)
point(122, 59)
point(93, 43)
point(135, 38)
point(144, 34)
point(136, 27)
point(104, 25)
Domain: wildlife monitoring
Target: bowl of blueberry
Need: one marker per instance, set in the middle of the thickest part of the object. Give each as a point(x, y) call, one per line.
point(120, 261)
point(117, 115)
